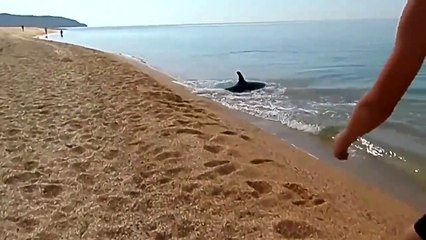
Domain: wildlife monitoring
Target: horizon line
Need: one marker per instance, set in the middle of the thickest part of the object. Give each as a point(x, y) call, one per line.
point(243, 22)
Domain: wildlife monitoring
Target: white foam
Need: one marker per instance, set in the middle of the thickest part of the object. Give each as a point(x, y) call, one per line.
point(181, 83)
point(312, 155)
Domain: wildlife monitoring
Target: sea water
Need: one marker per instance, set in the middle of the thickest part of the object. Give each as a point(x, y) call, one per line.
point(315, 71)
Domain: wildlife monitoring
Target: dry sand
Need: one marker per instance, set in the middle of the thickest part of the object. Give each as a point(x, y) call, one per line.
point(95, 146)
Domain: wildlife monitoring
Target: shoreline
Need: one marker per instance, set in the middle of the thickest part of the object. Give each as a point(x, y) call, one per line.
point(379, 144)
point(375, 174)
point(378, 175)
point(260, 185)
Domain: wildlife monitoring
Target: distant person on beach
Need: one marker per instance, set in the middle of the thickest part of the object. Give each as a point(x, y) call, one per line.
point(23, 28)
point(377, 105)
point(62, 33)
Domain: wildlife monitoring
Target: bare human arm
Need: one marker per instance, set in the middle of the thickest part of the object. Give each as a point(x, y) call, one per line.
point(399, 71)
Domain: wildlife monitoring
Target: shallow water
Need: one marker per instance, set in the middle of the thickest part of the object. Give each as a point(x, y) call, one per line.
point(315, 71)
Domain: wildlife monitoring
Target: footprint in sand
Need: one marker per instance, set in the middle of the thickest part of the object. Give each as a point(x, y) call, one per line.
point(213, 148)
point(218, 139)
point(225, 169)
point(146, 148)
point(111, 154)
point(162, 115)
point(30, 188)
point(229, 132)
point(116, 203)
point(295, 229)
point(303, 195)
point(164, 180)
point(260, 161)
point(143, 174)
point(232, 133)
point(86, 179)
point(135, 142)
point(80, 166)
point(91, 146)
point(162, 236)
point(66, 59)
point(51, 190)
point(151, 149)
point(141, 128)
point(12, 131)
point(134, 117)
point(189, 114)
point(25, 176)
point(220, 168)
point(224, 139)
point(182, 122)
point(45, 235)
point(166, 95)
point(245, 137)
point(261, 187)
point(215, 163)
point(213, 189)
point(167, 155)
point(199, 110)
point(78, 150)
point(173, 172)
point(183, 228)
point(30, 165)
point(28, 224)
point(206, 123)
point(190, 187)
point(189, 131)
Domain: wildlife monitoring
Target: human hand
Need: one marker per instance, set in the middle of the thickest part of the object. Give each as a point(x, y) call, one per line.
point(341, 145)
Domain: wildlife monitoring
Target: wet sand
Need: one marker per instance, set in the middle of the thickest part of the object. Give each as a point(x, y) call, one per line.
point(96, 146)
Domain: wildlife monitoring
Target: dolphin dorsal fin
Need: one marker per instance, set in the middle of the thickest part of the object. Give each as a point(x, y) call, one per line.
point(241, 78)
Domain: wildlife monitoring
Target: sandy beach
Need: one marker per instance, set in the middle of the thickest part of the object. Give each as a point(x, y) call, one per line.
point(97, 146)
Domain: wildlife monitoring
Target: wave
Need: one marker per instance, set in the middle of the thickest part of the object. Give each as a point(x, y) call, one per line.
point(331, 67)
point(133, 57)
point(250, 51)
point(237, 52)
point(403, 128)
point(329, 132)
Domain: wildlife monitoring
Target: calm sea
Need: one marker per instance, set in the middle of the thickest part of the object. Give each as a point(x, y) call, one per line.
point(315, 71)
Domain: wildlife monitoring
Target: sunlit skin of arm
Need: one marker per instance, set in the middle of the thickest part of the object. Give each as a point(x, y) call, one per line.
point(401, 68)
point(404, 63)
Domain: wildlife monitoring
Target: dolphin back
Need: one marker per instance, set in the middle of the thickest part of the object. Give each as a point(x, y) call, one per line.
point(241, 79)
point(244, 86)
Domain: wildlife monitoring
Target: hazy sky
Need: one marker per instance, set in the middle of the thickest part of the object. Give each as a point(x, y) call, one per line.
point(148, 12)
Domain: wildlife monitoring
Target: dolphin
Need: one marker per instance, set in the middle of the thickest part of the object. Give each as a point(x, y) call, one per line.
point(244, 86)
